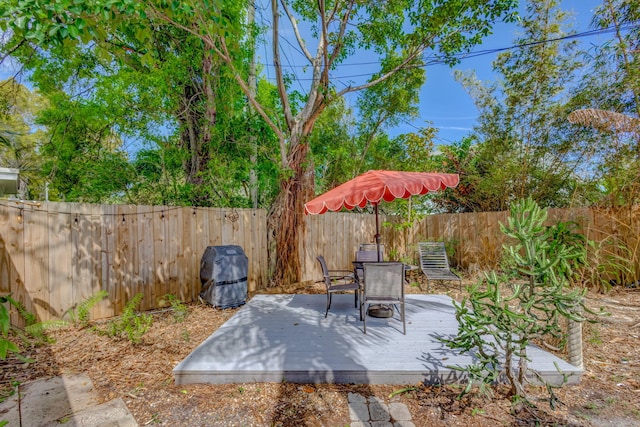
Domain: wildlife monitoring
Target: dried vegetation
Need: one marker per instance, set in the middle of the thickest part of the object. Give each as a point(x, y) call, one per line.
point(140, 374)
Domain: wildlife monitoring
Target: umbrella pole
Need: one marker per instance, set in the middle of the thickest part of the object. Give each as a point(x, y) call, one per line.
point(377, 233)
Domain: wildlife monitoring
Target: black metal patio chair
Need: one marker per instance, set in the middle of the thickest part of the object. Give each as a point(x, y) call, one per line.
point(338, 281)
point(383, 284)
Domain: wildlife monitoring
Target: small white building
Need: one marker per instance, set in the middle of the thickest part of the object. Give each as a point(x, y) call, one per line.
point(8, 181)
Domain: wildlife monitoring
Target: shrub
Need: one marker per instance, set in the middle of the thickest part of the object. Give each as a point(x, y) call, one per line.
point(131, 323)
point(82, 312)
point(6, 345)
point(503, 314)
point(180, 309)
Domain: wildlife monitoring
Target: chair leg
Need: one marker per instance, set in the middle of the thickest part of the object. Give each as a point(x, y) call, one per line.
point(364, 318)
point(404, 325)
point(328, 304)
point(355, 296)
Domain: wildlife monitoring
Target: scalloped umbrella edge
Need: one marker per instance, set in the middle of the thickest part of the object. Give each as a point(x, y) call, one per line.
point(377, 185)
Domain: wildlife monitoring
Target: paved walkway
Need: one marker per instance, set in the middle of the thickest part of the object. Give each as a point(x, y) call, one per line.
point(376, 412)
point(67, 400)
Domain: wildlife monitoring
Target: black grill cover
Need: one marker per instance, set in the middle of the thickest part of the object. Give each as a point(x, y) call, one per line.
point(223, 274)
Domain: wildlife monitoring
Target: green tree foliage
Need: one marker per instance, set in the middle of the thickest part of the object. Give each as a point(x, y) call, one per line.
point(399, 32)
point(523, 145)
point(615, 77)
point(83, 159)
point(161, 90)
point(612, 83)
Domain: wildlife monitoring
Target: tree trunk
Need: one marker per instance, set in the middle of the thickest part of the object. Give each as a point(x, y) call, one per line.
point(197, 123)
point(253, 90)
point(286, 218)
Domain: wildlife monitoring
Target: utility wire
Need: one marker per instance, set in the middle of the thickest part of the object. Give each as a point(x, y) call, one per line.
point(474, 54)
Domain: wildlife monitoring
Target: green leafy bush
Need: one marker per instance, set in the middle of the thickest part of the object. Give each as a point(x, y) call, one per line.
point(6, 345)
point(180, 309)
point(82, 313)
point(504, 313)
point(131, 323)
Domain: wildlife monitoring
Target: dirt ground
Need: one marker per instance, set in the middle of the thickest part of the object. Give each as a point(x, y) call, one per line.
point(608, 395)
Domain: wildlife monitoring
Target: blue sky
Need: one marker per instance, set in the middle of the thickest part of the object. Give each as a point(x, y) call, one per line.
point(444, 101)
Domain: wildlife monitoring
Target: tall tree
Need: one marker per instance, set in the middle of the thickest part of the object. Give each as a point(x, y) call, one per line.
point(525, 145)
point(611, 85)
point(160, 85)
point(399, 32)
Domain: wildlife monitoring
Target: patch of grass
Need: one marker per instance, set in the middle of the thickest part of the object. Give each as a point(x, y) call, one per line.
point(7, 392)
point(594, 337)
point(582, 415)
point(180, 309)
point(477, 411)
point(138, 389)
point(591, 406)
point(402, 391)
point(155, 419)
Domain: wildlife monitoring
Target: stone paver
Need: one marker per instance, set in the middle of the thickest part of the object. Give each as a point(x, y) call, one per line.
point(379, 412)
point(399, 411)
point(359, 411)
point(376, 412)
point(356, 398)
point(68, 400)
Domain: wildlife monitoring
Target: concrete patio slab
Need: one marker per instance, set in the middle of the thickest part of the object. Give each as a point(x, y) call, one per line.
point(66, 400)
point(276, 338)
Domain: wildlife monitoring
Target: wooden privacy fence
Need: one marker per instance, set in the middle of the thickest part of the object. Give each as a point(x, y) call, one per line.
point(474, 239)
point(53, 256)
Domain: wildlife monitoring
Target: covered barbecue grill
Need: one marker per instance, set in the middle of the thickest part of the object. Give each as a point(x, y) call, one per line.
point(223, 274)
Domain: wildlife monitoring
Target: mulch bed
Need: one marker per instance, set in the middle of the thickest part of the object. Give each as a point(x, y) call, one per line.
point(141, 374)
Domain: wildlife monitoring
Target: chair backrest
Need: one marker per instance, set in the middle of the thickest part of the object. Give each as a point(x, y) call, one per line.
point(372, 247)
point(325, 270)
point(384, 279)
point(366, 256)
point(433, 255)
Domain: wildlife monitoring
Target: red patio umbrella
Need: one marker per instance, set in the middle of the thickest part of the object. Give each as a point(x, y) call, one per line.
point(375, 186)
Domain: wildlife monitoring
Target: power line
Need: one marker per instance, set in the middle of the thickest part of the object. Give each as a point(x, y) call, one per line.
point(474, 54)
